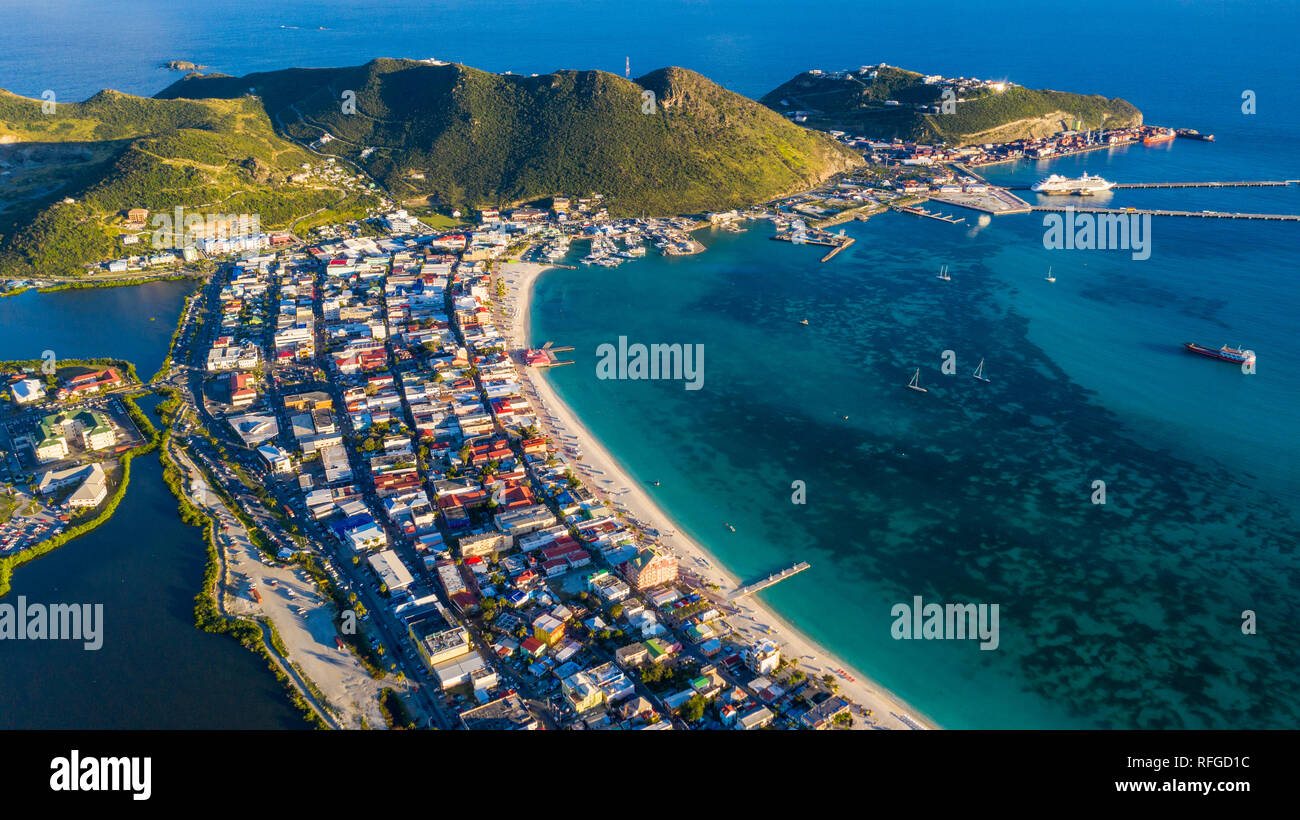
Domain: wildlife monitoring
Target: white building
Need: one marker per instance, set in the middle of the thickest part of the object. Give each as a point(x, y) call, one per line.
point(367, 536)
point(276, 459)
point(390, 569)
point(91, 477)
point(27, 391)
point(246, 357)
point(335, 461)
point(763, 657)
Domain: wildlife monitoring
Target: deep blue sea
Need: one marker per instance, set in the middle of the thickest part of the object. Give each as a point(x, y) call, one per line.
point(1125, 614)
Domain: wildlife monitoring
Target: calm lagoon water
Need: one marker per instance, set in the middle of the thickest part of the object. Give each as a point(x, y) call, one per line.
point(155, 669)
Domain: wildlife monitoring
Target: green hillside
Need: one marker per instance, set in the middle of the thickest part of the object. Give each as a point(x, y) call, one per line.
point(114, 152)
point(856, 102)
point(468, 137)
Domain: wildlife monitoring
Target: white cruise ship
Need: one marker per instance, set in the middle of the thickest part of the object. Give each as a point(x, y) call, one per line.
point(1084, 185)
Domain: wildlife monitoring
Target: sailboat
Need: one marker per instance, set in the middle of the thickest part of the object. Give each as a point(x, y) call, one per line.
point(1049, 276)
point(915, 383)
point(943, 274)
point(979, 372)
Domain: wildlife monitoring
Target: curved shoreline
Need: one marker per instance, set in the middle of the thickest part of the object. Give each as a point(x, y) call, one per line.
point(558, 419)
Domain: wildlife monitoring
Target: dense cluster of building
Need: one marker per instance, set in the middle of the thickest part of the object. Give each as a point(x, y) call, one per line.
point(401, 418)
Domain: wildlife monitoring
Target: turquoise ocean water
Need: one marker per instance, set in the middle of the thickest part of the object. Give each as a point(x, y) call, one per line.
point(1125, 614)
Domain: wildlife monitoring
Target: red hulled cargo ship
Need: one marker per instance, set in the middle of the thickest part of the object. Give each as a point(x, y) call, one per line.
point(1159, 136)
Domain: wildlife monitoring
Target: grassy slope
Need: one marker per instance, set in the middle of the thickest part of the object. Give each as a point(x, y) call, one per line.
point(205, 155)
point(857, 105)
point(480, 138)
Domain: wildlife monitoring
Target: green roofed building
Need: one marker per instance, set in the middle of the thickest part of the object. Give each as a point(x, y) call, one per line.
point(90, 428)
point(658, 651)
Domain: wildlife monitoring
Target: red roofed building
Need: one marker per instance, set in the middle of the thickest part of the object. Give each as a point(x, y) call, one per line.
point(559, 550)
point(578, 558)
point(91, 382)
point(396, 483)
point(464, 601)
point(242, 392)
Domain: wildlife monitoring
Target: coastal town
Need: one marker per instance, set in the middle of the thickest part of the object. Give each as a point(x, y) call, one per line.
point(395, 481)
point(366, 403)
point(363, 400)
point(371, 386)
point(353, 390)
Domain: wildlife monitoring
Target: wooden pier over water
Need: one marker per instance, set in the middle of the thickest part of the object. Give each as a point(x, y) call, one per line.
point(774, 578)
point(1163, 212)
point(545, 356)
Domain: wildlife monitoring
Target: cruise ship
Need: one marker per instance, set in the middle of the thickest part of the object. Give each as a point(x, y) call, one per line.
point(1084, 185)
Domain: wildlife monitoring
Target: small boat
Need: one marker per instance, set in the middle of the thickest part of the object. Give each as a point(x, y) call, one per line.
point(1049, 276)
point(803, 321)
point(979, 372)
point(656, 483)
point(943, 274)
point(733, 529)
point(915, 383)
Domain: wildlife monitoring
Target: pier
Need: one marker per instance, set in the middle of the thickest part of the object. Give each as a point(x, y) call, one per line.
point(774, 578)
point(545, 356)
point(1163, 212)
point(810, 238)
point(841, 246)
point(918, 211)
point(817, 237)
point(1264, 183)
point(1261, 183)
point(995, 202)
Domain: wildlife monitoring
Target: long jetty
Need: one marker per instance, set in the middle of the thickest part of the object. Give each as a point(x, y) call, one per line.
point(1163, 212)
point(1262, 183)
point(1259, 183)
point(841, 246)
point(817, 237)
point(774, 578)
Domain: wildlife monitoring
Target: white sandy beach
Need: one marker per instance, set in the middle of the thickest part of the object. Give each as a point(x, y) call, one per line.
point(605, 476)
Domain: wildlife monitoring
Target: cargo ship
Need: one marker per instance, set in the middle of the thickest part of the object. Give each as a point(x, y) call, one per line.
point(1224, 354)
point(1159, 136)
point(1193, 134)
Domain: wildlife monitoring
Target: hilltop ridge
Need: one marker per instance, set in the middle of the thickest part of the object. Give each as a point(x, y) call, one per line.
point(468, 136)
point(887, 102)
